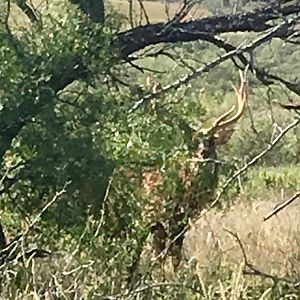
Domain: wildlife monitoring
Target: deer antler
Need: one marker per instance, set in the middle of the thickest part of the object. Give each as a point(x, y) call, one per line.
point(223, 117)
point(242, 95)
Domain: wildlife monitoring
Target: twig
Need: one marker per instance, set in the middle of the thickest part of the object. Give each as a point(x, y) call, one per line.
point(107, 191)
point(186, 7)
point(144, 11)
point(281, 206)
point(130, 3)
point(53, 200)
point(21, 163)
point(235, 235)
point(290, 106)
point(9, 253)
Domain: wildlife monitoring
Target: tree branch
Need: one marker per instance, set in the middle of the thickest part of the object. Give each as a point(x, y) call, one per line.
point(140, 37)
point(254, 160)
point(28, 10)
point(250, 269)
point(281, 206)
point(209, 66)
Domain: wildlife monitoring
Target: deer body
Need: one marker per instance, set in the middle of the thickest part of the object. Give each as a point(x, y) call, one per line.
point(198, 181)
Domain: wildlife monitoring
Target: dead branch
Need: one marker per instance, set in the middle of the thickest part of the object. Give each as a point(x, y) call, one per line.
point(209, 66)
point(251, 270)
point(255, 159)
point(140, 37)
point(29, 10)
point(282, 206)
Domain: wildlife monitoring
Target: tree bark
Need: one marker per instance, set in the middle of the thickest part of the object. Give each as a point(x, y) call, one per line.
point(94, 8)
point(2, 238)
point(258, 21)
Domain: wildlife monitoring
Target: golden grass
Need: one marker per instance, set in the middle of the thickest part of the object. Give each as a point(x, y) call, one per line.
point(156, 11)
point(272, 246)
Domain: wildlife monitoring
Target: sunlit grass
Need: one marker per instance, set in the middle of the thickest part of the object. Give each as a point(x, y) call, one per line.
point(272, 245)
point(155, 11)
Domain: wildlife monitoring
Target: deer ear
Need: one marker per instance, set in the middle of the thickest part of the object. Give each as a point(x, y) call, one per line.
point(223, 136)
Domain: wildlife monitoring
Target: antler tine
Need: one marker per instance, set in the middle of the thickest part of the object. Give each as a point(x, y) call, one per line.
point(223, 117)
point(242, 95)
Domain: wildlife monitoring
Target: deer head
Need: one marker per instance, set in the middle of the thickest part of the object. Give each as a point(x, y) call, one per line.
point(223, 127)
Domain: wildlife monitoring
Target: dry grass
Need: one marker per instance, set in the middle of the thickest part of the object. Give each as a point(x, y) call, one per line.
point(156, 11)
point(272, 245)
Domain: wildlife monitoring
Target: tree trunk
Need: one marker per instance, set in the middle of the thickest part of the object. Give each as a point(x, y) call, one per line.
point(94, 8)
point(2, 238)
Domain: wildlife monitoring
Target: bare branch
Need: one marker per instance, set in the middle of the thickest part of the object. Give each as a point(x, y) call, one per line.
point(249, 269)
point(187, 78)
point(50, 203)
point(290, 106)
point(235, 235)
point(144, 12)
point(29, 10)
point(130, 4)
point(254, 160)
point(281, 206)
point(258, 21)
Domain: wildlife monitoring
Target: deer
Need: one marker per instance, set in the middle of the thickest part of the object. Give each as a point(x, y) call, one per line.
point(199, 179)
